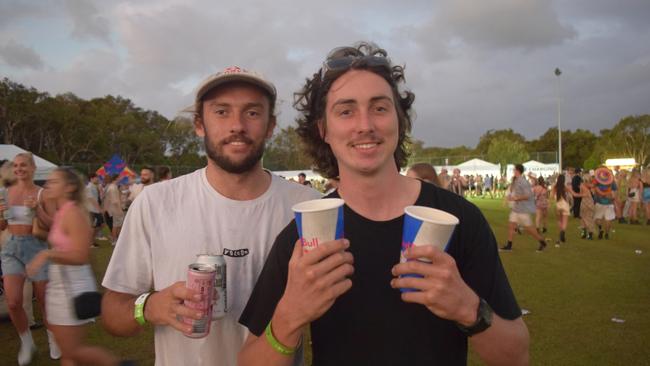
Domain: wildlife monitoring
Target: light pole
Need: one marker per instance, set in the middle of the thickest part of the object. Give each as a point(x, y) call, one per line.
point(558, 72)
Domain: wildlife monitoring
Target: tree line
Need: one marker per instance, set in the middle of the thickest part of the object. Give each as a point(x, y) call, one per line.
point(67, 129)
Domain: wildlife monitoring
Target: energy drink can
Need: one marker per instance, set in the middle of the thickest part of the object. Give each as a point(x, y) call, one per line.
point(220, 298)
point(200, 278)
point(4, 198)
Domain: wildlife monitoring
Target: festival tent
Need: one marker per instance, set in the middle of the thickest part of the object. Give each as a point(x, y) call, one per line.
point(479, 167)
point(116, 166)
point(535, 167)
point(293, 174)
point(43, 167)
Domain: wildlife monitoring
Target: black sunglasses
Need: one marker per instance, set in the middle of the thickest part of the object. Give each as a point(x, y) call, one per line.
point(342, 58)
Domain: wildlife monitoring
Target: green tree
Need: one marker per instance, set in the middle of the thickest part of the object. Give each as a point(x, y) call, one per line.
point(506, 151)
point(285, 152)
point(486, 139)
point(630, 137)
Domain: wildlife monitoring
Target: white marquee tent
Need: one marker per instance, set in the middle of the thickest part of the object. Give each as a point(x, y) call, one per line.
point(43, 167)
point(536, 168)
point(479, 167)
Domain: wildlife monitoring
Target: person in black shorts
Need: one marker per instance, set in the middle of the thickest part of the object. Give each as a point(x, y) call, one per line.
point(355, 123)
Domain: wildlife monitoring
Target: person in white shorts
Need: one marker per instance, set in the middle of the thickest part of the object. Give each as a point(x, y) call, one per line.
point(604, 193)
point(232, 207)
point(521, 194)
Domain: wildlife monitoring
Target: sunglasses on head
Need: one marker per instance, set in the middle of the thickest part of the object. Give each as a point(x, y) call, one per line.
point(342, 58)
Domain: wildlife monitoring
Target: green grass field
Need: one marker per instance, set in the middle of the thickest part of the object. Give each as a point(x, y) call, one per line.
point(572, 294)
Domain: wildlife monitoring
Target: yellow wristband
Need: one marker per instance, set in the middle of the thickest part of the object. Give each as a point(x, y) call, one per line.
point(276, 345)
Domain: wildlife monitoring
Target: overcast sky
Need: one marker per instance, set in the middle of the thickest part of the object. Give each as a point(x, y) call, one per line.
point(474, 65)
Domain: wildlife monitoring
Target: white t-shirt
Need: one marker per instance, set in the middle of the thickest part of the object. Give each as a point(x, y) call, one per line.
point(135, 190)
point(170, 223)
point(92, 194)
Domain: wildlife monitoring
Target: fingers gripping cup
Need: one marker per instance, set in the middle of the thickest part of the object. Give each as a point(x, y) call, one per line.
point(319, 221)
point(426, 226)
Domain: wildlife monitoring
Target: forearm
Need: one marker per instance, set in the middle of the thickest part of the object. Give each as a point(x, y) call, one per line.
point(258, 351)
point(117, 314)
point(506, 342)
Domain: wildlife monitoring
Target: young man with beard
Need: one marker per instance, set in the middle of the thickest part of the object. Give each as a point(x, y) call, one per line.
point(232, 207)
point(146, 179)
point(355, 123)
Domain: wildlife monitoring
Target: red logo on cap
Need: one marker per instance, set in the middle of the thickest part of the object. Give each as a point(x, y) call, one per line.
point(233, 70)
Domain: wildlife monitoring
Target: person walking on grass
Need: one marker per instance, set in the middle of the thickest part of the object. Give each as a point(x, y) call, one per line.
point(541, 205)
point(634, 191)
point(645, 182)
point(586, 207)
point(523, 205)
point(69, 271)
point(604, 193)
point(562, 209)
point(24, 203)
point(620, 199)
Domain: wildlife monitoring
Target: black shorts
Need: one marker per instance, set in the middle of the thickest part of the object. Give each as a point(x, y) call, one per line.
point(97, 219)
point(109, 221)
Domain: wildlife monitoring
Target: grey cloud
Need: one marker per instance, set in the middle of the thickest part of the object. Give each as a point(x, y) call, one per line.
point(503, 23)
point(20, 56)
point(16, 10)
point(87, 22)
point(620, 13)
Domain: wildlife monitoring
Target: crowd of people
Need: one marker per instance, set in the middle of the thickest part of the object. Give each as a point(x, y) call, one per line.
point(354, 121)
point(596, 198)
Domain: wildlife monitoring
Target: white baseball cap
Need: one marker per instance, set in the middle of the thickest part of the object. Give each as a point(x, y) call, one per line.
point(228, 75)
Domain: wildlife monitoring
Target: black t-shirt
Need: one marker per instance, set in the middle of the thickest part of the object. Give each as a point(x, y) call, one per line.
point(370, 324)
point(575, 183)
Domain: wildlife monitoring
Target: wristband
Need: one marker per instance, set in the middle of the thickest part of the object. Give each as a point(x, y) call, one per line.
point(276, 345)
point(138, 311)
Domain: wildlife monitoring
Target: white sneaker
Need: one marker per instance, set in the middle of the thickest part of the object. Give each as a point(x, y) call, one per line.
point(26, 353)
point(55, 352)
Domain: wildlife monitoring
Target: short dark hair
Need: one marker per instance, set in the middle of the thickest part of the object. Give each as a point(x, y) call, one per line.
point(519, 168)
point(302, 175)
point(164, 172)
point(311, 100)
point(92, 175)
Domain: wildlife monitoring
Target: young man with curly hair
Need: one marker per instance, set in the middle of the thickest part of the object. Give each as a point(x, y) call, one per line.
point(355, 123)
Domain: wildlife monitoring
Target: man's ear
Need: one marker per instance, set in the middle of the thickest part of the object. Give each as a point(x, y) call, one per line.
point(322, 129)
point(271, 127)
point(199, 128)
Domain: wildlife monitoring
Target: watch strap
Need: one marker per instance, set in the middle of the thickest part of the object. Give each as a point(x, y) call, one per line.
point(483, 320)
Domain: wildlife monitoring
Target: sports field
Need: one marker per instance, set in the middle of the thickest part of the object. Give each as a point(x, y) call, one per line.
point(572, 293)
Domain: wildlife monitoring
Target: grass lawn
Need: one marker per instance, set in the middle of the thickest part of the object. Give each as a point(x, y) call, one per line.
point(572, 294)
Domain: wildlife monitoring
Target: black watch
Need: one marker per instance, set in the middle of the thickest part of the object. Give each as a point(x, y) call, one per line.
point(483, 320)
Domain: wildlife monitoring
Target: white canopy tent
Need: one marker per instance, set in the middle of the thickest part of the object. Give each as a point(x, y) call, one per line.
point(293, 174)
point(43, 167)
point(478, 167)
point(535, 167)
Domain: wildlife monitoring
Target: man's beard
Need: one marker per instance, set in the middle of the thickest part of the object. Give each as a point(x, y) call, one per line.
point(145, 181)
point(215, 153)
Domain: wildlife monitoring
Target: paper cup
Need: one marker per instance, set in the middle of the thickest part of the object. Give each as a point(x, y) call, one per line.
point(426, 226)
point(319, 221)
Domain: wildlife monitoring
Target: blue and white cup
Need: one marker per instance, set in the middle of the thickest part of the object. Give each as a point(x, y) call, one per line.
point(426, 226)
point(319, 221)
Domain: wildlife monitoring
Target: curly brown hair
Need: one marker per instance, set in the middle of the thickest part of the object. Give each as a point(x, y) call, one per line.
point(311, 100)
